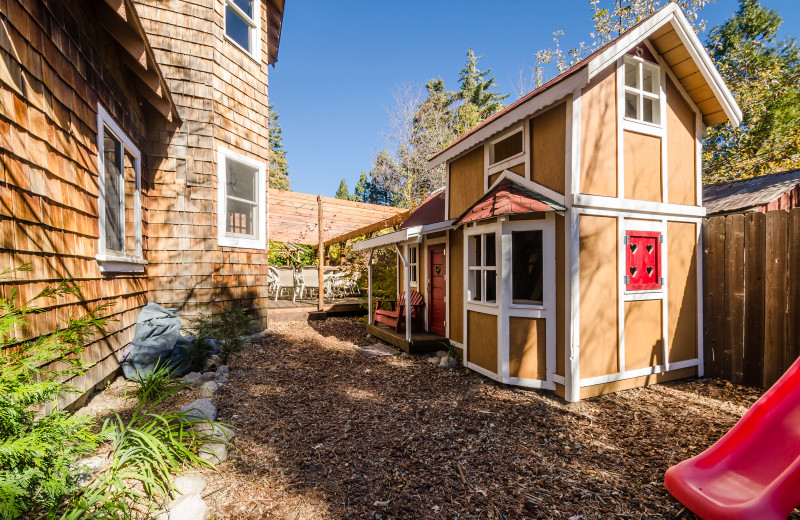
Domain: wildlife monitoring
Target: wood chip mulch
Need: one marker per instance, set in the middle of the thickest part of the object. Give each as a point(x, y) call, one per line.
point(326, 433)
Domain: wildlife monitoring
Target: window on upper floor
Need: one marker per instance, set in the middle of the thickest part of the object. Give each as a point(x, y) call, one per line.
point(241, 201)
point(243, 23)
point(642, 91)
point(119, 198)
point(483, 268)
point(506, 148)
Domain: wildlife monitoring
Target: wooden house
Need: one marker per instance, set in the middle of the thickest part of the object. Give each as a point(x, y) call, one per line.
point(564, 251)
point(133, 144)
point(765, 193)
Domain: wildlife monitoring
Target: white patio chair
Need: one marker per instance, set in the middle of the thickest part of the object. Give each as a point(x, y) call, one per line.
point(272, 280)
point(309, 280)
point(285, 281)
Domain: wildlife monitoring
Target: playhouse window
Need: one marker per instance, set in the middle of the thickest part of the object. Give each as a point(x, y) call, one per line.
point(642, 91)
point(527, 268)
point(242, 24)
point(643, 261)
point(413, 261)
point(506, 148)
point(242, 212)
point(483, 268)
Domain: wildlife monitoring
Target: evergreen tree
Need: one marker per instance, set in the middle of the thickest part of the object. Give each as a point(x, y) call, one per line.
point(278, 166)
point(477, 91)
point(361, 193)
point(763, 73)
point(343, 192)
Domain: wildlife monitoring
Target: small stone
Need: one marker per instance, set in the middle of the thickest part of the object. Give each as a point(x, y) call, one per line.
point(452, 363)
point(405, 355)
point(217, 359)
point(222, 380)
point(85, 469)
point(200, 410)
point(186, 507)
point(217, 432)
point(210, 364)
point(223, 370)
point(441, 353)
point(190, 484)
point(193, 379)
point(208, 376)
point(208, 389)
point(214, 452)
point(434, 360)
point(443, 361)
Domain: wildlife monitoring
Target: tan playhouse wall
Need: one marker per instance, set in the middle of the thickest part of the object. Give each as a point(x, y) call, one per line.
point(482, 338)
point(548, 147)
point(636, 382)
point(465, 182)
point(519, 169)
point(56, 65)
point(682, 291)
point(642, 160)
point(599, 135)
point(527, 348)
point(644, 342)
point(598, 296)
point(682, 159)
point(455, 270)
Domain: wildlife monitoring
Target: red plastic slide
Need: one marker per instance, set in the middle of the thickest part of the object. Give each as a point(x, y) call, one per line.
point(753, 471)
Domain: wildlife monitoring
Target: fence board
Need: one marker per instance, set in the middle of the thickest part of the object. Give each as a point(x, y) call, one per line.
point(755, 244)
point(793, 283)
point(734, 298)
point(775, 296)
point(713, 299)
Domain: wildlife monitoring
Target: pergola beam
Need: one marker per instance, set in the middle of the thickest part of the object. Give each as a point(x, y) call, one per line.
point(377, 226)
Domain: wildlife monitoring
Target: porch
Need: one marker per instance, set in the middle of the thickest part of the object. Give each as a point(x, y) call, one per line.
point(309, 308)
point(419, 342)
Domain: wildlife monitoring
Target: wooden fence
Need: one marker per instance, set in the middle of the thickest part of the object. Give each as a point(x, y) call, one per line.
point(751, 300)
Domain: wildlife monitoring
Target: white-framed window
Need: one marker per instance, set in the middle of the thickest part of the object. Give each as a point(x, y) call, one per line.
point(527, 267)
point(241, 201)
point(642, 91)
point(413, 260)
point(506, 147)
point(119, 202)
point(243, 25)
point(482, 257)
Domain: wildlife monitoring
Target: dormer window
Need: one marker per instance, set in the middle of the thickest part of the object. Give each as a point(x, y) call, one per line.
point(642, 91)
point(242, 24)
point(506, 148)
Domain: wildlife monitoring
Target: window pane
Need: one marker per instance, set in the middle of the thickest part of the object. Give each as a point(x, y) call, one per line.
point(242, 181)
point(650, 81)
point(631, 105)
point(632, 75)
point(476, 284)
point(246, 6)
point(491, 250)
point(112, 157)
point(237, 29)
point(413, 255)
point(475, 250)
point(650, 110)
point(527, 268)
point(491, 285)
point(508, 147)
point(241, 218)
point(130, 206)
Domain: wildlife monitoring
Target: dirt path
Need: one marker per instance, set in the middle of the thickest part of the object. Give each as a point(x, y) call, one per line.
point(324, 432)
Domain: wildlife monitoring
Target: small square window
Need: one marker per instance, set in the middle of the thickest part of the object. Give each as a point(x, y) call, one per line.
point(483, 268)
point(642, 91)
point(506, 148)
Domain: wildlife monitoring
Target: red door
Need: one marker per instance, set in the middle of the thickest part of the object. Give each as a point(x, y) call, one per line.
point(437, 289)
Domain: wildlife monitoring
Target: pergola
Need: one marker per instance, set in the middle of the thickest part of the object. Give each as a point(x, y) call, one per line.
point(314, 220)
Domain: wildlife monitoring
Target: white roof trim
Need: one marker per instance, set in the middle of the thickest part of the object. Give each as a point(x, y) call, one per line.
point(674, 15)
point(408, 235)
point(576, 80)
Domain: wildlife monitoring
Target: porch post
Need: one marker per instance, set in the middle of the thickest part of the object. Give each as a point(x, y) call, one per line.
point(321, 255)
point(408, 295)
point(369, 287)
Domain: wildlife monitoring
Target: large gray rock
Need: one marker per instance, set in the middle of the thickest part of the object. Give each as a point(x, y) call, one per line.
point(214, 452)
point(193, 379)
point(208, 389)
point(452, 363)
point(85, 469)
point(223, 370)
point(190, 484)
point(208, 376)
point(199, 410)
point(217, 432)
point(186, 507)
point(222, 380)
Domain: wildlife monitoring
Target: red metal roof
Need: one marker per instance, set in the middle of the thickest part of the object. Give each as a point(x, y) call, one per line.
point(429, 212)
point(508, 198)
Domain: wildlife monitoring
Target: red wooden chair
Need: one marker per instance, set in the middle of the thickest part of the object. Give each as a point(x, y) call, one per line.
point(395, 316)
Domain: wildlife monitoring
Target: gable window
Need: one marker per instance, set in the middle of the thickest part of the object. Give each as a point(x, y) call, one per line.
point(413, 260)
point(527, 268)
point(483, 268)
point(642, 91)
point(119, 199)
point(241, 201)
point(506, 148)
point(242, 24)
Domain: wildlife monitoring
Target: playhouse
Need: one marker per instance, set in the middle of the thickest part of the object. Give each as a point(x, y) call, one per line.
point(564, 251)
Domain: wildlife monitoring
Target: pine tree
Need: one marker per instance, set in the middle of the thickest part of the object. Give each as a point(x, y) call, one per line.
point(343, 192)
point(361, 193)
point(763, 73)
point(278, 166)
point(477, 91)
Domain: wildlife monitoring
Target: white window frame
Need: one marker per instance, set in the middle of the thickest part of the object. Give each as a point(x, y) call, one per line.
point(493, 166)
point(473, 266)
point(638, 123)
point(254, 23)
point(223, 238)
point(520, 227)
point(116, 261)
point(413, 254)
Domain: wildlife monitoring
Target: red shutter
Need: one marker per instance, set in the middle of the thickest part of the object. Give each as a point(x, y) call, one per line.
point(643, 260)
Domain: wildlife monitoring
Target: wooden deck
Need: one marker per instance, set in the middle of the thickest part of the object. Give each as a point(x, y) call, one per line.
point(307, 309)
point(420, 341)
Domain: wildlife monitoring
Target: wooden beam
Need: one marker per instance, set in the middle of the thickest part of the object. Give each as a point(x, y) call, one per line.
point(146, 74)
point(118, 28)
point(396, 220)
point(162, 105)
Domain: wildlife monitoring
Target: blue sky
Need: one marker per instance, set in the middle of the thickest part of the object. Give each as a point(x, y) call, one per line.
point(340, 62)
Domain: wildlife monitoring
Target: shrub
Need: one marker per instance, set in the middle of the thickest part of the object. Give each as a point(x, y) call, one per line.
point(229, 328)
point(157, 383)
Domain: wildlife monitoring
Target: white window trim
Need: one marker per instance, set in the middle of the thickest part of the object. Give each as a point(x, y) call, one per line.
point(493, 167)
point(634, 124)
point(484, 269)
point(254, 23)
point(114, 261)
point(223, 239)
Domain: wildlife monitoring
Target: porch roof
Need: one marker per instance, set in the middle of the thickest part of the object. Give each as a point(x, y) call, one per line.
point(508, 198)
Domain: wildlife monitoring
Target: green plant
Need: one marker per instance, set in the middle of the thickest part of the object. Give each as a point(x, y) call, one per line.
point(453, 352)
point(37, 448)
point(156, 383)
point(228, 327)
